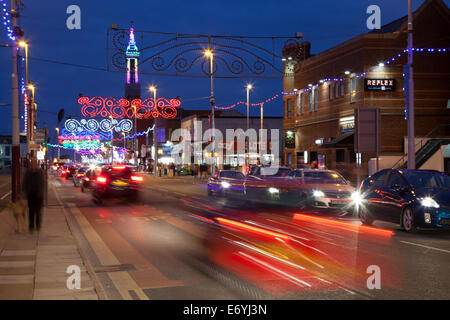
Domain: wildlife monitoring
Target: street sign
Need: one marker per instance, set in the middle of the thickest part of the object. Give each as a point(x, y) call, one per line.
point(39, 136)
point(367, 130)
point(34, 146)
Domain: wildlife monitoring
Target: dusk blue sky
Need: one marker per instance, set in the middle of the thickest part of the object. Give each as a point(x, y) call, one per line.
point(324, 23)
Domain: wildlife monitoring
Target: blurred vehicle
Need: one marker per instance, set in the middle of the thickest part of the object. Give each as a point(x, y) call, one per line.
point(116, 181)
point(325, 188)
point(79, 176)
point(70, 171)
point(412, 198)
point(267, 185)
point(224, 179)
point(90, 175)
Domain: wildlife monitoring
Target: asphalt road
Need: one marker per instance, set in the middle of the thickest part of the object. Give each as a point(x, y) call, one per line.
point(165, 247)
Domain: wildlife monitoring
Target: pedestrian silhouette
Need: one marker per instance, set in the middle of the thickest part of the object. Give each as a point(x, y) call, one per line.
point(33, 187)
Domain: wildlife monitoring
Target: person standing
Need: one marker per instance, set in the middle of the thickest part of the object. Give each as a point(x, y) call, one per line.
point(33, 187)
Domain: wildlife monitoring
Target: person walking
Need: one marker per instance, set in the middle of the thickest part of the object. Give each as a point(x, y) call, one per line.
point(33, 187)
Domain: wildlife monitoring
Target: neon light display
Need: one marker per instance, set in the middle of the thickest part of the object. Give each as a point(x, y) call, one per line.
point(121, 108)
point(99, 134)
point(92, 125)
point(132, 59)
point(7, 21)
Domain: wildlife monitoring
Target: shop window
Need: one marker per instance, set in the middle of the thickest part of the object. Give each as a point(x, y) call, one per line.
point(289, 159)
point(336, 89)
point(7, 151)
point(340, 155)
point(330, 91)
point(342, 88)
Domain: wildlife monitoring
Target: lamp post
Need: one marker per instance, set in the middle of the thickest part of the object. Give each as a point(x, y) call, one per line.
point(249, 87)
point(155, 140)
point(135, 138)
point(30, 124)
point(410, 98)
point(209, 54)
point(57, 130)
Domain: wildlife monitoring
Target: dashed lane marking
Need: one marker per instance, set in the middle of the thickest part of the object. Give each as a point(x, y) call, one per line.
point(424, 246)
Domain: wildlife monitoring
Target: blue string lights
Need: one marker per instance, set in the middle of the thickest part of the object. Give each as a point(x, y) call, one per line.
point(7, 20)
point(360, 75)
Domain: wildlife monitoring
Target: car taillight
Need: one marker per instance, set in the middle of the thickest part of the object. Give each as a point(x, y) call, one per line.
point(63, 171)
point(137, 178)
point(101, 179)
point(80, 175)
point(87, 179)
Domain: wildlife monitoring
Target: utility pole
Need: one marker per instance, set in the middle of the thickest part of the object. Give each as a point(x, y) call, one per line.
point(410, 97)
point(15, 176)
point(46, 166)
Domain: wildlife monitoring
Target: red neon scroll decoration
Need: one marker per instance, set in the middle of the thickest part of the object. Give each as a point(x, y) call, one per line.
point(121, 108)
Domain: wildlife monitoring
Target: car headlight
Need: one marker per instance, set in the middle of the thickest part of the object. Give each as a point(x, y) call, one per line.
point(273, 190)
point(356, 198)
point(318, 194)
point(225, 184)
point(429, 202)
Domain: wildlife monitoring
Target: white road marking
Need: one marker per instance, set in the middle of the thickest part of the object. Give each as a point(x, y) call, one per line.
point(5, 195)
point(424, 246)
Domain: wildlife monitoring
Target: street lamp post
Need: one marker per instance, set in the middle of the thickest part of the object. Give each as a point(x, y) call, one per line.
point(155, 140)
point(249, 87)
point(411, 134)
point(57, 130)
point(30, 120)
point(209, 54)
point(15, 176)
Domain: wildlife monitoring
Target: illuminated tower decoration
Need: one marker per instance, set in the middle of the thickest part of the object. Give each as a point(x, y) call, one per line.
point(132, 86)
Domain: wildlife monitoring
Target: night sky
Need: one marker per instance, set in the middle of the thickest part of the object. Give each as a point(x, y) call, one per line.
point(324, 23)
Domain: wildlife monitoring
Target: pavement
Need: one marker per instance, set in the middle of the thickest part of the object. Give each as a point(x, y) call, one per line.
point(34, 266)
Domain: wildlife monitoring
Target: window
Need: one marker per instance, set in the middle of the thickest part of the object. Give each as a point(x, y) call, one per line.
point(301, 102)
point(289, 108)
point(336, 89)
point(289, 159)
point(330, 90)
point(340, 155)
point(311, 101)
point(315, 98)
point(7, 151)
point(342, 88)
point(352, 89)
point(395, 179)
point(379, 179)
point(297, 100)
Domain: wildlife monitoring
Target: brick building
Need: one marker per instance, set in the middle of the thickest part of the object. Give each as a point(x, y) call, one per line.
point(322, 92)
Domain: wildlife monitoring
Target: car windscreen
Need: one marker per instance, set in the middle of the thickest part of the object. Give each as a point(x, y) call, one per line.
point(427, 179)
point(324, 177)
point(280, 172)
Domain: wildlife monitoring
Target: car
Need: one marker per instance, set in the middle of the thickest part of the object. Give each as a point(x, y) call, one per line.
point(326, 188)
point(264, 184)
point(90, 175)
point(412, 198)
point(116, 181)
point(79, 176)
point(70, 171)
point(223, 180)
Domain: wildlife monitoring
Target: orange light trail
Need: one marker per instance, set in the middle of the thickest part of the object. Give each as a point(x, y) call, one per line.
point(246, 227)
point(343, 224)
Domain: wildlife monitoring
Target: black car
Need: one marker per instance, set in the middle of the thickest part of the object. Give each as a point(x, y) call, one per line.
point(116, 182)
point(90, 175)
point(70, 171)
point(79, 176)
point(412, 198)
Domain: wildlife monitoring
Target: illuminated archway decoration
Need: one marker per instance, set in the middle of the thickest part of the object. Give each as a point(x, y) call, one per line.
point(104, 125)
point(121, 108)
point(102, 136)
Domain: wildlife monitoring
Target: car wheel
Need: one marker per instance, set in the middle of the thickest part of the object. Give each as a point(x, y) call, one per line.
point(365, 216)
point(407, 220)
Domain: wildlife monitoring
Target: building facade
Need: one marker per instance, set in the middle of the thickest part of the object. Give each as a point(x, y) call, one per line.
point(321, 93)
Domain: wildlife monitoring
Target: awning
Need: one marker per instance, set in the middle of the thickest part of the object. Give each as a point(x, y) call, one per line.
point(342, 138)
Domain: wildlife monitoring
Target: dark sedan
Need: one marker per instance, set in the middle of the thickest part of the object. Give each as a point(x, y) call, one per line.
point(412, 198)
point(224, 180)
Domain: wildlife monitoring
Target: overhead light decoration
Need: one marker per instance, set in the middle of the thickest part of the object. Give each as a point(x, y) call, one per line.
point(93, 125)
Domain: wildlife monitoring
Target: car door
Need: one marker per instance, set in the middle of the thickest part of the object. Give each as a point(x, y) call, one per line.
point(373, 193)
point(394, 193)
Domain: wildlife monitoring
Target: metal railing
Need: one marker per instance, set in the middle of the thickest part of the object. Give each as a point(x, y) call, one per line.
point(403, 160)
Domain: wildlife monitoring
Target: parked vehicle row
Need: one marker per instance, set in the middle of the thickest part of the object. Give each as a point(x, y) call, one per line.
point(105, 182)
point(412, 198)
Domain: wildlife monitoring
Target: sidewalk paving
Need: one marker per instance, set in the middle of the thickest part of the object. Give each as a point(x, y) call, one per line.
point(33, 266)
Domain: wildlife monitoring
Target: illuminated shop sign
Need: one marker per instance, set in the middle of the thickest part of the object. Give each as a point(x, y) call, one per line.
point(347, 124)
point(379, 84)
